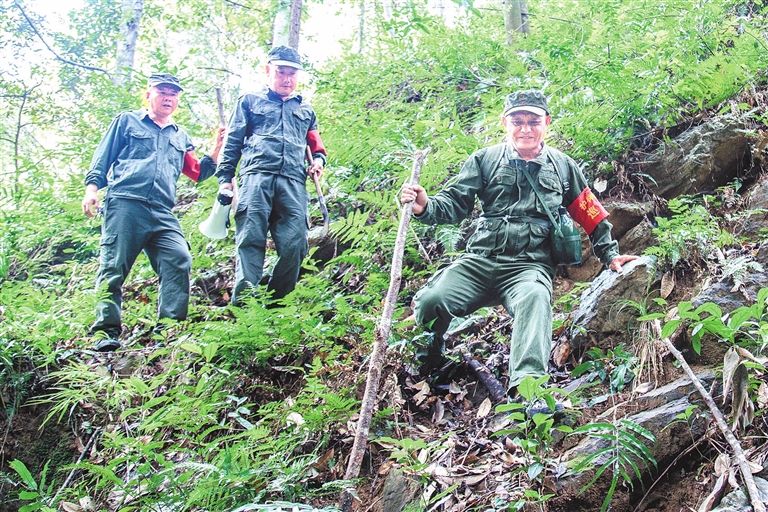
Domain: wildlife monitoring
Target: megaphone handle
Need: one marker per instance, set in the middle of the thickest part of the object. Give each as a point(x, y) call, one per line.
point(236, 195)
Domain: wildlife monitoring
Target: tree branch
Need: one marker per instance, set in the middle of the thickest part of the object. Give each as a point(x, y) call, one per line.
point(58, 57)
point(376, 361)
point(223, 70)
point(738, 453)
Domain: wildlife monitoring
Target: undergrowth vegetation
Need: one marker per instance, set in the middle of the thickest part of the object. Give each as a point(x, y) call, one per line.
point(237, 407)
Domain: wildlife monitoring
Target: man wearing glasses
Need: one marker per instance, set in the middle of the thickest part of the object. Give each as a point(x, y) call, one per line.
point(508, 259)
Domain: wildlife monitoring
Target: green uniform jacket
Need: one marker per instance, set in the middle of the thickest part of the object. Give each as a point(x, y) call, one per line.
point(514, 225)
point(269, 135)
point(137, 159)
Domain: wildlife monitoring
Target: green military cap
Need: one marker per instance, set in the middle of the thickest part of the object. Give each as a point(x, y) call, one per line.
point(284, 56)
point(532, 101)
point(156, 79)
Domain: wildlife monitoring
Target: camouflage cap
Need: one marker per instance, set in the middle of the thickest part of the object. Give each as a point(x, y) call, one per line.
point(156, 79)
point(532, 101)
point(284, 56)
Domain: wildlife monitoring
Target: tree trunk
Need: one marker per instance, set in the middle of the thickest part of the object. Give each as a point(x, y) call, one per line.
point(515, 18)
point(361, 28)
point(126, 47)
point(281, 28)
point(524, 17)
point(293, 37)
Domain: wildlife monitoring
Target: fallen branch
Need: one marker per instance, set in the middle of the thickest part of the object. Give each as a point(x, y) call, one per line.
point(86, 449)
point(738, 453)
point(495, 388)
point(376, 360)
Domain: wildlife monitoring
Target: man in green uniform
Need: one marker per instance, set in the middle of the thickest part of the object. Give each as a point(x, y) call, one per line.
point(509, 257)
point(268, 136)
point(139, 160)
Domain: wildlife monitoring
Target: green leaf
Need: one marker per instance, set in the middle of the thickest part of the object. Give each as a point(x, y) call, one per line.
point(669, 328)
point(21, 469)
point(192, 347)
point(534, 470)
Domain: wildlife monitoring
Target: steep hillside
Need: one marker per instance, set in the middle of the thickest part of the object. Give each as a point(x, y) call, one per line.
point(254, 408)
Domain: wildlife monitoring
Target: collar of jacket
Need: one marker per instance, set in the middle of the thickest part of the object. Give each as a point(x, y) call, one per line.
point(273, 96)
point(144, 115)
point(511, 153)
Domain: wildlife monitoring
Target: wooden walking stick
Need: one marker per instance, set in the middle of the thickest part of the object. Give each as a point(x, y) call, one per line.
point(376, 360)
point(738, 453)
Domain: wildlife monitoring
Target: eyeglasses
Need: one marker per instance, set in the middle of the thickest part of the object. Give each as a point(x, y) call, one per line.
point(519, 123)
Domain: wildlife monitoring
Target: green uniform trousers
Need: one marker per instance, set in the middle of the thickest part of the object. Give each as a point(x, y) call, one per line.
point(472, 282)
point(130, 226)
point(274, 203)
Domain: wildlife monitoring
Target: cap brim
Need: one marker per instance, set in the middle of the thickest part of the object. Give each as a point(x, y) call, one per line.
point(169, 84)
point(286, 63)
point(533, 110)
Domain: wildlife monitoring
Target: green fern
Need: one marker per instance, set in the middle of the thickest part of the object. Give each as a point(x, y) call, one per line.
point(621, 449)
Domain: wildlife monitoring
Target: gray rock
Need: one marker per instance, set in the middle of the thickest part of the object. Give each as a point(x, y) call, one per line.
point(702, 158)
point(737, 501)
point(637, 239)
point(399, 490)
point(672, 437)
point(755, 225)
point(675, 390)
point(624, 215)
point(599, 312)
point(721, 292)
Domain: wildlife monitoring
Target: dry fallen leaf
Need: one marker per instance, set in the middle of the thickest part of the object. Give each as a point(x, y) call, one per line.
point(561, 353)
point(475, 479)
point(423, 393)
point(485, 408)
point(762, 396)
point(66, 506)
point(722, 463)
point(667, 284)
point(438, 412)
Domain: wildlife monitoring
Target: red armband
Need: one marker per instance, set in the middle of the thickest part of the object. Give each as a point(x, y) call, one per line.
point(191, 168)
point(315, 143)
point(587, 211)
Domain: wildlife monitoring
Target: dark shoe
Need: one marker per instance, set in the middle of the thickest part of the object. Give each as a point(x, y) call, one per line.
point(107, 344)
point(430, 362)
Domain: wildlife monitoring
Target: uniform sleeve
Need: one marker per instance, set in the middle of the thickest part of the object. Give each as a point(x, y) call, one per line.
point(455, 202)
point(315, 142)
point(587, 211)
point(233, 146)
point(106, 153)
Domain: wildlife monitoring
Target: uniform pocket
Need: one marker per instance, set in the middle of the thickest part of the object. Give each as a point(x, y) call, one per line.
point(301, 119)
point(538, 241)
point(141, 144)
point(485, 238)
point(108, 250)
point(263, 120)
point(505, 176)
point(176, 153)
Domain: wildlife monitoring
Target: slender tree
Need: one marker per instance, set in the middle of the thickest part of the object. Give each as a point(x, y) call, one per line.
point(126, 47)
point(515, 18)
point(286, 28)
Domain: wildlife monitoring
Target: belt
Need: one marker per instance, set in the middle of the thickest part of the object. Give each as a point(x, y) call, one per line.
point(521, 219)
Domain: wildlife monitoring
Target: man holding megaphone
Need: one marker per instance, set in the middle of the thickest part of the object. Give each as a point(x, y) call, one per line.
point(268, 135)
point(139, 160)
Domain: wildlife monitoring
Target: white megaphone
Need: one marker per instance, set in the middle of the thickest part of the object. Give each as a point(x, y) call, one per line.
point(215, 226)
